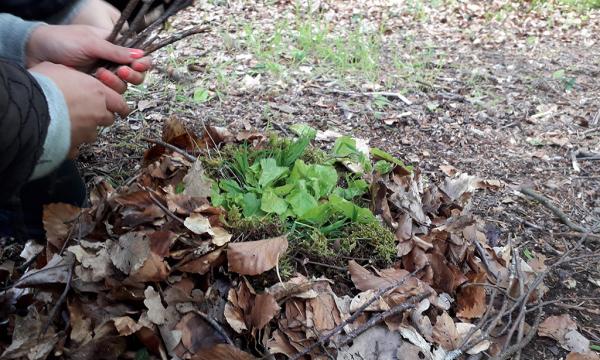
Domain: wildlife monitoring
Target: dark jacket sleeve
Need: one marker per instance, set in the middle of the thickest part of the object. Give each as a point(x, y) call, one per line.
point(24, 121)
point(35, 9)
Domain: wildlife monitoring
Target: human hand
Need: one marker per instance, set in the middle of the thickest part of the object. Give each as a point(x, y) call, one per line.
point(97, 13)
point(90, 103)
point(81, 46)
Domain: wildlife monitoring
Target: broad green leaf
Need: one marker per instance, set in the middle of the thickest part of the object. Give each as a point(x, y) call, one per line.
point(271, 203)
point(354, 189)
point(344, 146)
point(284, 189)
point(270, 172)
point(301, 202)
point(304, 130)
point(250, 204)
point(351, 210)
point(383, 167)
point(215, 195)
point(318, 215)
point(326, 177)
point(230, 186)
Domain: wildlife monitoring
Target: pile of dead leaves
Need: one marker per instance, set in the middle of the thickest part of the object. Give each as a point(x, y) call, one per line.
point(151, 271)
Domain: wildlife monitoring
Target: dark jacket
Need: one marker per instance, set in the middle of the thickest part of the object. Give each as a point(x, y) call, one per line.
point(36, 9)
point(24, 121)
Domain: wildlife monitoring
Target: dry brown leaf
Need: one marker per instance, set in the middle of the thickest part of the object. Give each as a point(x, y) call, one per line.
point(264, 310)
point(445, 332)
point(364, 280)
point(198, 224)
point(223, 352)
point(81, 325)
point(471, 299)
point(256, 257)
point(126, 326)
point(59, 219)
point(203, 264)
point(197, 334)
point(156, 310)
point(95, 263)
point(280, 344)
point(130, 253)
point(324, 311)
point(589, 355)
point(196, 182)
point(557, 327)
point(55, 272)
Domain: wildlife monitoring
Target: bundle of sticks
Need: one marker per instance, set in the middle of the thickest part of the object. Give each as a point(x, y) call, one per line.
point(145, 37)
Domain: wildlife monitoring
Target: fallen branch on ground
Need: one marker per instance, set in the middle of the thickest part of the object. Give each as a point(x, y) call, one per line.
point(558, 212)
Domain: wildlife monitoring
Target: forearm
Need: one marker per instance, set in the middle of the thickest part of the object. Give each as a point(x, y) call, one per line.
point(14, 34)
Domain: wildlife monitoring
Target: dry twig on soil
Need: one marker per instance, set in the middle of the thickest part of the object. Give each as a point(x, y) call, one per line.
point(558, 212)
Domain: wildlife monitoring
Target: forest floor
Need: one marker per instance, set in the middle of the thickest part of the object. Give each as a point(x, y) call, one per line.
point(498, 89)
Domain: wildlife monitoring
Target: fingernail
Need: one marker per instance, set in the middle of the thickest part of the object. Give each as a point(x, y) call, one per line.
point(123, 72)
point(136, 53)
point(138, 67)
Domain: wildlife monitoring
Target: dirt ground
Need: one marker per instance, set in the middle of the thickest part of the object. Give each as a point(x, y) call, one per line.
point(498, 89)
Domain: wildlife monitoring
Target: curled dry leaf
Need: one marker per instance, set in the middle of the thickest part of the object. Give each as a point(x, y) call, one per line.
point(95, 264)
point(247, 311)
point(198, 224)
point(256, 257)
point(55, 272)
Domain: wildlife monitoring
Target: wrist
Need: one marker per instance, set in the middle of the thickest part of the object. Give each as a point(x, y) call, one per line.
point(34, 53)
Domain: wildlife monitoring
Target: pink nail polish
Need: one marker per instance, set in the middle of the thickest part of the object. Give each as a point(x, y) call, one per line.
point(136, 53)
point(123, 72)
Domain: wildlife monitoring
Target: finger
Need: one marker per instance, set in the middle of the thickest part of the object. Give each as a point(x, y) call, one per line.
point(111, 80)
point(115, 103)
point(131, 76)
point(105, 50)
point(142, 65)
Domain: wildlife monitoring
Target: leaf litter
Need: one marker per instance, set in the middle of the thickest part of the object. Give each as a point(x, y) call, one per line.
point(147, 261)
point(446, 246)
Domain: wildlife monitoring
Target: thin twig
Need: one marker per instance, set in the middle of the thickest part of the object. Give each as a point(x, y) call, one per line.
point(137, 21)
point(60, 300)
point(143, 35)
point(558, 212)
point(122, 20)
point(376, 319)
point(164, 208)
point(174, 38)
point(215, 326)
point(171, 147)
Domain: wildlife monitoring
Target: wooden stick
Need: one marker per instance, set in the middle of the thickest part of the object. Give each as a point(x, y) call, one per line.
point(174, 8)
point(174, 38)
point(137, 21)
point(124, 16)
point(171, 147)
point(558, 212)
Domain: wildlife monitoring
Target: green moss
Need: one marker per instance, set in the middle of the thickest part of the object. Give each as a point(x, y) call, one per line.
point(314, 155)
point(253, 228)
point(372, 240)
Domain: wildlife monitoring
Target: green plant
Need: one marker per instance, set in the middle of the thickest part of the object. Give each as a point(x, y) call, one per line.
point(287, 186)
